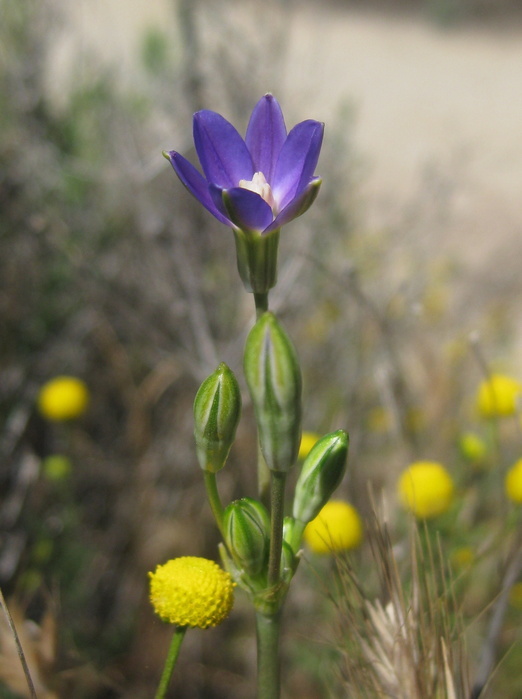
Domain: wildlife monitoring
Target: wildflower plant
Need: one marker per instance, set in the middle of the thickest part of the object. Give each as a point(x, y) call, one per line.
point(256, 185)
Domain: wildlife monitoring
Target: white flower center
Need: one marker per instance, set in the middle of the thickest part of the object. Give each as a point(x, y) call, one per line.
point(259, 185)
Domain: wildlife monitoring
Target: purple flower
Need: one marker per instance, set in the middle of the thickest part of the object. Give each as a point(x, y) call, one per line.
point(259, 183)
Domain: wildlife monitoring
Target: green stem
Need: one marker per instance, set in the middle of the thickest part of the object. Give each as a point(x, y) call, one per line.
point(213, 498)
point(263, 478)
point(261, 301)
point(268, 682)
point(277, 513)
point(170, 662)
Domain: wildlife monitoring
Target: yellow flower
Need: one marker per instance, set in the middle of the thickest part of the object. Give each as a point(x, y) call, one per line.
point(63, 398)
point(308, 440)
point(472, 447)
point(426, 489)
point(191, 591)
point(513, 483)
point(338, 527)
point(498, 396)
point(462, 557)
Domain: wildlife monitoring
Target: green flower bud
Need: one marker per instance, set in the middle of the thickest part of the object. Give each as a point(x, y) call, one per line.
point(274, 380)
point(246, 527)
point(217, 408)
point(322, 472)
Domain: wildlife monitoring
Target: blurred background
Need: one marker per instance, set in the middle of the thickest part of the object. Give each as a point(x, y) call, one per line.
point(400, 287)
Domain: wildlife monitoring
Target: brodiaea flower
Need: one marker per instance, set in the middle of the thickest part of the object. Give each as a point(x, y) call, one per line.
point(256, 184)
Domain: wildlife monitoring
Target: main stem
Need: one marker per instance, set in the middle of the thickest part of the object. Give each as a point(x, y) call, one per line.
point(268, 623)
point(170, 662)
point(277, 513)
point(268, 628)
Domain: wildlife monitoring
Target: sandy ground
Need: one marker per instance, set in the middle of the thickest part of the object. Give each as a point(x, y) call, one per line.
point(424, 97)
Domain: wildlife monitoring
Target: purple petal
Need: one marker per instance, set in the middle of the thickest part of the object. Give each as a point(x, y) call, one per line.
point(266, 134)
point(297, 206)
point(195, 183)
point(246, 209)
point(217, 197)
point(222, 152)
point(297, 161)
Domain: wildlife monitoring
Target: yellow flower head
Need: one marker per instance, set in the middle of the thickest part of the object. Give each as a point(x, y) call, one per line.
point(338, 527)
point(513, 483)
point(63, 398)
point(426, 489)
point(191, 591)
point(308, 440)
point(498, 396)
point(473, 448)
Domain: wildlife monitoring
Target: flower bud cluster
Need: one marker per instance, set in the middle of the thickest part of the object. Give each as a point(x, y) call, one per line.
point(273, 377)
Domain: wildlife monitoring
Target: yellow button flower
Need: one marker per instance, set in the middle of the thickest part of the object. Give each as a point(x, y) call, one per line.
point(513, 483)
point(308, 440)
point(498, 396)
point(426, 489)
point(338, 527)
point(191, 591)
point(63, 398)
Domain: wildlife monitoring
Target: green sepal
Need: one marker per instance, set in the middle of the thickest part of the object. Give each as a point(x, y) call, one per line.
point(273, 377)
point(321, 473)
point(217, 409)
point(257, 259)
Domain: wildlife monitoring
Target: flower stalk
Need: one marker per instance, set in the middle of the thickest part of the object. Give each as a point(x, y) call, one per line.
point(170, 662)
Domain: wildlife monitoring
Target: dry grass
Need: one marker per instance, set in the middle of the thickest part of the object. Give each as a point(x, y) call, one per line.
point(409, 641)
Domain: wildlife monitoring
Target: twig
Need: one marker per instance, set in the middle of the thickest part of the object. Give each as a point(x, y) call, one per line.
point(21, 654)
